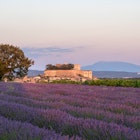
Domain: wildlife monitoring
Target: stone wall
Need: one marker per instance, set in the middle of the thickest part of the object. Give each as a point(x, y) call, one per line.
point(68, 73)
point(87, 73)
point(76, 67)
point(60, 73)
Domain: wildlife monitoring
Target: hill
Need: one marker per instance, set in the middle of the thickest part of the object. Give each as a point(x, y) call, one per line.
point(35, 72)
point(115, 74)
point(113, 66)
point(99, 74)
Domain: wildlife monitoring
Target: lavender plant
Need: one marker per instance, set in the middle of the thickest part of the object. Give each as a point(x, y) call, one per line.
point(69, 111)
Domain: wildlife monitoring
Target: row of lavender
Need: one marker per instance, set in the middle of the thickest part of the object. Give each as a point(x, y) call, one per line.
point(16, 130)
point(89, 112)
point(132, 120)
point(127, 98)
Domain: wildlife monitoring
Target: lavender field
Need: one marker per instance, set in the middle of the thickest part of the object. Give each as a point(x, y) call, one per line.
point(68, 112)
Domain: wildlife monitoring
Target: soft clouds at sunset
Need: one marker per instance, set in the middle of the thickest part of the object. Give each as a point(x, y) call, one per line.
point(93, 30)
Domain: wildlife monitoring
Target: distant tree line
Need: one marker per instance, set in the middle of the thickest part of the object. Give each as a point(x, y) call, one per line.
point(115, 82)
point(105, 82)
point(60, 67)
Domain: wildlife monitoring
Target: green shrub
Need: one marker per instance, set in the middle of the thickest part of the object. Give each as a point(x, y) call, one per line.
point(115, 82)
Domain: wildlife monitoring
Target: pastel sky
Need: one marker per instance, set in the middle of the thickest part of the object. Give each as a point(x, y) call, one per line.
point(72, 31)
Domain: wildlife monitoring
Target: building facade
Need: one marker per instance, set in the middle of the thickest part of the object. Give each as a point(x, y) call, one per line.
point(76, 73)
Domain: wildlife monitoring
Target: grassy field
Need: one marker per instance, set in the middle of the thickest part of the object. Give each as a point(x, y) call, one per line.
point(68, 112)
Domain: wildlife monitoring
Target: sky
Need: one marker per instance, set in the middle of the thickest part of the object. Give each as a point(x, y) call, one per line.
point(72, 31)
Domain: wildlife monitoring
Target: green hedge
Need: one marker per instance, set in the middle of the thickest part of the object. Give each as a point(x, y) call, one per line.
point(115, 82)
point(104, 82)
point(65, 82)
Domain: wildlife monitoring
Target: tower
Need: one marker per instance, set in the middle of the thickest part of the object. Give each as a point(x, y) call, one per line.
point(76, 67)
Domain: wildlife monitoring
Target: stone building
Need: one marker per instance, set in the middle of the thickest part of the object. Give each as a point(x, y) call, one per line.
point(75, 74)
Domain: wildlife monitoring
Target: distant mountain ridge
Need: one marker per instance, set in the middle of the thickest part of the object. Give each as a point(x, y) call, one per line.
point(113, 66)
point(99, 74)
point(35, 72)
point(115, 74)
point(106, 70)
